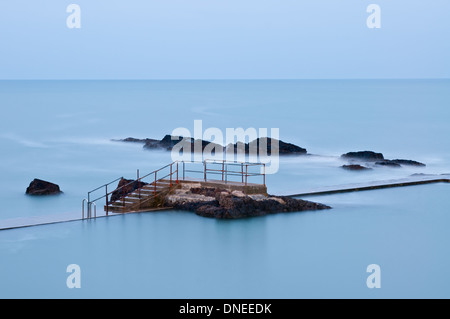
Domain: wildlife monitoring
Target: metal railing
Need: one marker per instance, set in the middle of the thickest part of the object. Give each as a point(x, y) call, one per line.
point(229, 171)
point(149, 179)
point(88, 209)
point(240, 171)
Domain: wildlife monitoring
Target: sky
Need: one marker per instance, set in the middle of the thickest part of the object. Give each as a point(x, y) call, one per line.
point(224, 39)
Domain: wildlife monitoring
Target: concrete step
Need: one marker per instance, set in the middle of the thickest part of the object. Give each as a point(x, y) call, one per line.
point(145, 194)
point(151, 190)
point(151, 187)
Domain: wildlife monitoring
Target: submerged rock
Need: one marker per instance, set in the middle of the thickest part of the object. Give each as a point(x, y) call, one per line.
point(407, 162)
point(378, 159)
point(363, 155)
point(40, 187)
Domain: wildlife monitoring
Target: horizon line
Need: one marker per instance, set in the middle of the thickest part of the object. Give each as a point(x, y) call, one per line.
point(235, 79)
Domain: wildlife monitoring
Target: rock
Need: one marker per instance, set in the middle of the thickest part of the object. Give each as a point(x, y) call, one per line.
point(189, 144)
point(125, 187)
point(268, 144)
point(364, 155)
point(40, 187)
point(388, 163)
point(355, 167)
point(226, 205)
point(407, 162)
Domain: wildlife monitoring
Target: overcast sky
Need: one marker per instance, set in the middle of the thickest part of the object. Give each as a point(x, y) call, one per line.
point(224, 39)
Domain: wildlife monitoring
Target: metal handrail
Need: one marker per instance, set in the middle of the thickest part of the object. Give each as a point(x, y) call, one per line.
point(130, 183)
point(90, 210)
point(82, 207)
point(117, 179)
point(118, 189)
point(225, 172)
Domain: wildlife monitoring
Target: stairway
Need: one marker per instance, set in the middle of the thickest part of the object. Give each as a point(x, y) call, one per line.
point(147, 197)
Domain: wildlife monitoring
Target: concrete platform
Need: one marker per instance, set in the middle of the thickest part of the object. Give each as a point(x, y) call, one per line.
point(249, 188)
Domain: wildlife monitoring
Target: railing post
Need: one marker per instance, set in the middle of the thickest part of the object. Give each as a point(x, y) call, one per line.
point(226, 173)
point(137, 181)
point(82, 208)
point(171, 175)
point(177, 172)
point(246, 168)
point(264, 174)
point(106, 191)
point(223, 169)
point(95, 210)
point(88, 213)
point(242, 172)
point(154, 185)
point(204, 173)
point(184, 165)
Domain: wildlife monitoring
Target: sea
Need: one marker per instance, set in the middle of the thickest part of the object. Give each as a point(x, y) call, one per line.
point(65, 132)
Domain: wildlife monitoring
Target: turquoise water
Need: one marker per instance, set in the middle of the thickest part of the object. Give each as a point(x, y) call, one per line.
point(61, 131)
point(303, 255)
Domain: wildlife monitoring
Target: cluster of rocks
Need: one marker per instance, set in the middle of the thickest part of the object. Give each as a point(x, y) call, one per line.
point(125, 187)
point(39, 187)
point(364, 160)
point(189, 144)
point(226, 204)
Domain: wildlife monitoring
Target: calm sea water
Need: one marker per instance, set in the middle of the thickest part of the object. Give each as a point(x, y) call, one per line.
point(62, 131)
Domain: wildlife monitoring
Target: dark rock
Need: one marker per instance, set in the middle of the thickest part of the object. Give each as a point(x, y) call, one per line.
point(40, 187)
point(388, 163)
point(355, 167)
point(134, 140)
point(364, 155)
point(125, 187)
point(225, 205)
point(189, 144)
point(407, 162)
point(378, 158)
point(269, 145)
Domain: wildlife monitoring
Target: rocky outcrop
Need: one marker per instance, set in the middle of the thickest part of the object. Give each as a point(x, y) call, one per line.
point(407, 162)
point(363, 156)
point(125, 187)
point(136, 140)
point(225, 204)
point(355, 167)
point(40, 187)
point(377, 159)
point(268, 145)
